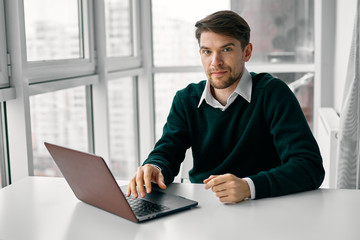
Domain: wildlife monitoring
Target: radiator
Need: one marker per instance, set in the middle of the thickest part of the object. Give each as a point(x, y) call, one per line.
point(327, 138)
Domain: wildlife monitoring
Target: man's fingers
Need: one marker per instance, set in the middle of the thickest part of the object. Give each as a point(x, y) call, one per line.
point(148, 174)
point(214, 181)
point(160, 181)
point(140, 182)
point(155, 176)
point(132, 188)
point(128, 191)
point(209, 178)
point(219, 188)
point(222, 194)
point(229, 188)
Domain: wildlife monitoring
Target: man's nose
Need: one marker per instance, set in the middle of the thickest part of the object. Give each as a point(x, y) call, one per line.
point(216, 59)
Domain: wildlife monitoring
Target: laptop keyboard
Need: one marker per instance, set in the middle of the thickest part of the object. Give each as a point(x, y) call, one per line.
point(142, 207)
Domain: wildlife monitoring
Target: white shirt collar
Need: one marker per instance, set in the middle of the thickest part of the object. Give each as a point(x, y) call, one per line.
point(243, 89)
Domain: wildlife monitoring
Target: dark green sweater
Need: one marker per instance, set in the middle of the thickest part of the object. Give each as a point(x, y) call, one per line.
point(267, 140)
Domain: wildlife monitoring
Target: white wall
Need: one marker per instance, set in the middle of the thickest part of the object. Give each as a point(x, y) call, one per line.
point(345, 14)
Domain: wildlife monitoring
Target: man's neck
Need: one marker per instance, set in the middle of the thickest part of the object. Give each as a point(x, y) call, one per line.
point(222, 95)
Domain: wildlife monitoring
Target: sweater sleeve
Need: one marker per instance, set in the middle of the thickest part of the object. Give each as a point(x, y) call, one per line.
point(301, 166)
point(169, 151)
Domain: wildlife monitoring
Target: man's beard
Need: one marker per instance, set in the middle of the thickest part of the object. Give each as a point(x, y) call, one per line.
point(222, 84)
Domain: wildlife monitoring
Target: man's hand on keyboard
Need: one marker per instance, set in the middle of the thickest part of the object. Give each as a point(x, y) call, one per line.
point(145, 175)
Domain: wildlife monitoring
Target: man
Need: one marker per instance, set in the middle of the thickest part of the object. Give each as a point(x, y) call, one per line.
point(248, 135)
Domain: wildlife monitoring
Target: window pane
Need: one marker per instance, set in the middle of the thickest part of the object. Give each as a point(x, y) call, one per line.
point(302, 84)
point(174, 32)
point(60, 118)
point(281, 30)
point(118, 28)
point(52, 30)
point(123, 127)
point(165, 87)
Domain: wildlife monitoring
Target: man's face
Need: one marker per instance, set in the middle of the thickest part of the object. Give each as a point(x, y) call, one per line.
point(223, 59)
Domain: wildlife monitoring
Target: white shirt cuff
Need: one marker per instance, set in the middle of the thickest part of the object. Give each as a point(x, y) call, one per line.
point(157, 167)
point(251, 186)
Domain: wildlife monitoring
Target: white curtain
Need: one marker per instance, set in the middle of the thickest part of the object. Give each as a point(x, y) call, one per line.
point(348, 169)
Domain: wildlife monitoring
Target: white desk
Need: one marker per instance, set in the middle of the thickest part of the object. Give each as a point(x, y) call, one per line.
point(45, 208)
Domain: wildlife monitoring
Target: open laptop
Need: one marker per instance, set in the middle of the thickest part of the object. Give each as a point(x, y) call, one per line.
point(92, 182)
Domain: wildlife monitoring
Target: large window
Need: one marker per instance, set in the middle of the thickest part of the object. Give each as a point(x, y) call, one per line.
point(59, 47)
point(123, 127)
point(130, 56)
point(61, 118)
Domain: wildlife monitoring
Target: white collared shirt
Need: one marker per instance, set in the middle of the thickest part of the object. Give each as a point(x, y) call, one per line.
point(243, 89)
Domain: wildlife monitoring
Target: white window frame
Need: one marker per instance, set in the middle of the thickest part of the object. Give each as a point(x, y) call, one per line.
point(109, 68)
point(123, 63)
point(146, 84)
point(6, 93)
point(42, 71)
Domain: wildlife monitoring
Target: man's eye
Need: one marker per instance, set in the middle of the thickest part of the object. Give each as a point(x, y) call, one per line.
point(227, 49)
point(207, 52)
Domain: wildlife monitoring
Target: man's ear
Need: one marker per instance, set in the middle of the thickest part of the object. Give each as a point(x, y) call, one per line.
point(247, 52)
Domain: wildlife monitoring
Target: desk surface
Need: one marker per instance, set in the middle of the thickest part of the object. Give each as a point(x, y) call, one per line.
point(45, 208)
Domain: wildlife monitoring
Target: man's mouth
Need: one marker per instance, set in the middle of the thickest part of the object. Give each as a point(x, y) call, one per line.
point(218, 73)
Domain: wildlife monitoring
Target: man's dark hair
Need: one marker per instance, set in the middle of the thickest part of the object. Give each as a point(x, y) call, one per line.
point(227, 23)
